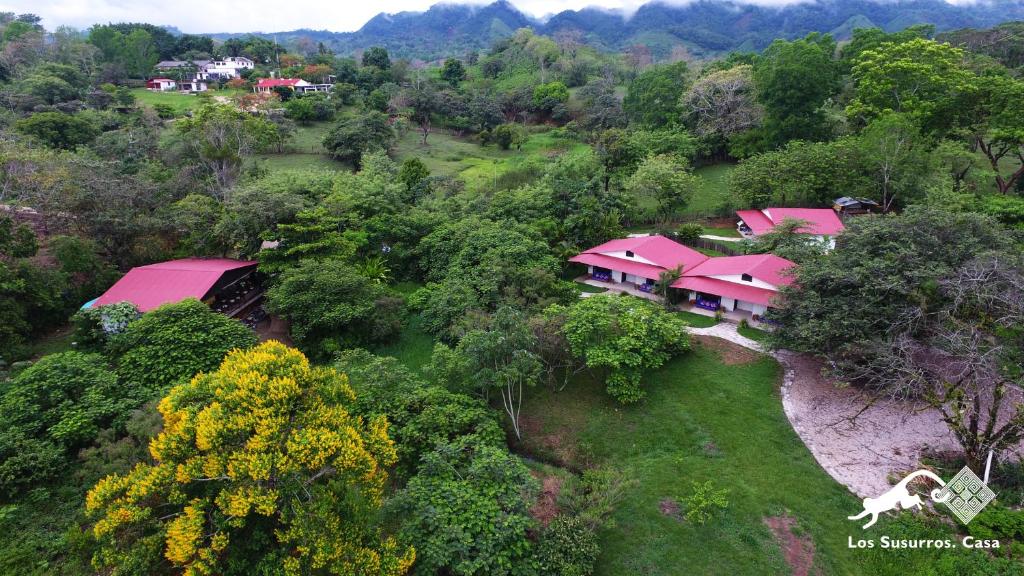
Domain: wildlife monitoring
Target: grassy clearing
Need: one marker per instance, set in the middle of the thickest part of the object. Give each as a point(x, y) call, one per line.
point(305, 151)
point(702, 420)
point(697, 320)
point(591, 289)
point(482, 167)
point(180, 102)
point(413, 347)
point(60, 340)
point(714, 190)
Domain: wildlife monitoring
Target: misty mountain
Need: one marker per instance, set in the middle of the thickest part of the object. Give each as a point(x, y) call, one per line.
point(702, 27)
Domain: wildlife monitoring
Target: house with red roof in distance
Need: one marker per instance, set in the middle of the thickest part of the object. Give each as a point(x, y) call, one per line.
point(729, 283)
point(297, 85)
point(821, 223)
point(161, 84)
point(638, 261)
point(228, 286)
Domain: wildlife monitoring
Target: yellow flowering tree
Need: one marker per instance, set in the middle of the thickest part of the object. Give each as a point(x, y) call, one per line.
point(260, 468)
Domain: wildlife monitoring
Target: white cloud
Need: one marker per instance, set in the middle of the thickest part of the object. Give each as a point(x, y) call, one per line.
point(198, 16)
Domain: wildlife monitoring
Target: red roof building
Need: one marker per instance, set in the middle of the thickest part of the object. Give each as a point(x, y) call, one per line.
point(642, 257)
point(154, 285)
point(819, 221)
point(749, 283)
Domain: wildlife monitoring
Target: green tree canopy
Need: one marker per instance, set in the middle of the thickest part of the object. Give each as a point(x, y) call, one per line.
point(174, 342)
point(621, 338)
point(653, 97)
point(794, 79)
point(58, 130)
point(329, 305)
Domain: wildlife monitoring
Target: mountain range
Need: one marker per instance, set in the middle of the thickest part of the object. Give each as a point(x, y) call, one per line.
point(702, 27)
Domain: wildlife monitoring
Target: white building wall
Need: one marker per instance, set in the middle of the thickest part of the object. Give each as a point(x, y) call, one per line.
point(634, 258)
point(738, 279)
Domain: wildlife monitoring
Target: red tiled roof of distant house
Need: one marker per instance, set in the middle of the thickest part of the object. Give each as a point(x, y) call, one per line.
point(273, 82)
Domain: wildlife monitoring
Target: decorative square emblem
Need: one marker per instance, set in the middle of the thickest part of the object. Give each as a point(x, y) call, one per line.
point(966, 495)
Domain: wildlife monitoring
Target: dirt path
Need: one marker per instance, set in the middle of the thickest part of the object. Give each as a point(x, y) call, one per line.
point(885, 440)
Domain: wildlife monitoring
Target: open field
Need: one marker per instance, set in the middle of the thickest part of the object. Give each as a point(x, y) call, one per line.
point(482, 167)
point(715, 189)
point(705, 418)
point(180, 102)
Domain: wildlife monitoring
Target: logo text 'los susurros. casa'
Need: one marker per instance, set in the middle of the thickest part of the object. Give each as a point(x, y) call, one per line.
point(965, 495)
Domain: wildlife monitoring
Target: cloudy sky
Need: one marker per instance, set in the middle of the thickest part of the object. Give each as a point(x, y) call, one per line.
point(263, 15)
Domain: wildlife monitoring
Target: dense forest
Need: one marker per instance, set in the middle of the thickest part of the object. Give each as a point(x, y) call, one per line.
point(446, 399)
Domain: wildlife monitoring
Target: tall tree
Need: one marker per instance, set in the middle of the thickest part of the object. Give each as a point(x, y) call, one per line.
point(794, 79)
point(652, 98)
point(921, 78)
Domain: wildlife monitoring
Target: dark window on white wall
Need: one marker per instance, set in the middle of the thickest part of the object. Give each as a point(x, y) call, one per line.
point(629, 254)
point(747, 278)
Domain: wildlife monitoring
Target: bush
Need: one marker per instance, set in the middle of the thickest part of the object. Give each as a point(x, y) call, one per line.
point(567, 547)
point(466, 510)
point(95, 326)
point(174, 342)
point(689, 233)
point(702, 504)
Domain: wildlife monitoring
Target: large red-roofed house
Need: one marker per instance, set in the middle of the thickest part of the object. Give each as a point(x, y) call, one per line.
point(748, 283)
point(205, 279)
point(822, 223)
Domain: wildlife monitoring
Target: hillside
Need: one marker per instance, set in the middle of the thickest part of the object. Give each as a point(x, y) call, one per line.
point(704, 27)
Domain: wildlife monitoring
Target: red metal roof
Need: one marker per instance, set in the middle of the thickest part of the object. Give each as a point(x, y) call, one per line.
point(271, 82)
point(726, 289)
point(165, 282)
point(766, 267)
point(620, 265)
point(822, 221)
point(657, 249)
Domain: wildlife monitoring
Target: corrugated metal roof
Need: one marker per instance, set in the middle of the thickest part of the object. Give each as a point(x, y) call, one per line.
point(151, 286)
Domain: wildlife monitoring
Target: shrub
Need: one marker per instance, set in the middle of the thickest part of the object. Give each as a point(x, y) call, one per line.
point(567, 547)
point(701, 505)
point(174, 342)
point(689, 233)
point(95, 326)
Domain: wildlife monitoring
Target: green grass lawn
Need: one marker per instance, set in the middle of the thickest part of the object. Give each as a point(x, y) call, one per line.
point(701, 420)
point(413, 347)
point(752, 333)
point(713, 191)
point(697, 320)
point(305, 151)
point(725, 232)
point(181, 103)
point(590, 289)
point(59, 340)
